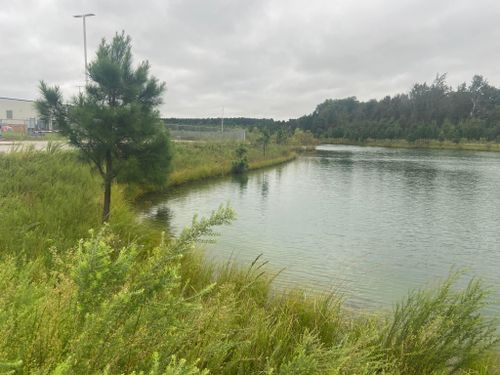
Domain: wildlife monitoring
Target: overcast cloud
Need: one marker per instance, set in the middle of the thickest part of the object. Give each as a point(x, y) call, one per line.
point(257, 58)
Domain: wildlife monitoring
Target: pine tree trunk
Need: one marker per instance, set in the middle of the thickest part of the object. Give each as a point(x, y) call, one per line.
point(107, 200)
point(108, 178)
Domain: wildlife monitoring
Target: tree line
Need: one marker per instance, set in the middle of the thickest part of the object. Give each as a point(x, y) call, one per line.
point(428, 111)
point(470, 111)
point(244, 122)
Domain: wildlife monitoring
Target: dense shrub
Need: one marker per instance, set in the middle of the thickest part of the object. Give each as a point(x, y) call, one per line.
point(240, 165)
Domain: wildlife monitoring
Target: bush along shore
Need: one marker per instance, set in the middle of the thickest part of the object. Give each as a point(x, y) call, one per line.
point(82, 298)
point(463, 144)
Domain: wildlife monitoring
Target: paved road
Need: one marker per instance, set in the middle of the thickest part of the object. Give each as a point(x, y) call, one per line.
point(7, 146)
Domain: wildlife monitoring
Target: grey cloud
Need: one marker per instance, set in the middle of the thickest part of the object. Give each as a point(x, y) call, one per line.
point(262, 58)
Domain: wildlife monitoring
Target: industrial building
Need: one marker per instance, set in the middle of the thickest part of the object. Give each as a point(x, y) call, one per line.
point(19, 116)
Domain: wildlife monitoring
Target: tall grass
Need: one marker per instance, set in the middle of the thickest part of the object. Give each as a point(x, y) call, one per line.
point(124, 299)
point(192, 161)
point(48, 198)
point(440, 330)
point(195, 161)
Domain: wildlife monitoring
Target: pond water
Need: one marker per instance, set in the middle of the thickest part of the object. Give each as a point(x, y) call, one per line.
point(371, 223)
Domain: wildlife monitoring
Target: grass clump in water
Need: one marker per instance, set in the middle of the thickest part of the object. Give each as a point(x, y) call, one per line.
point(440, 330)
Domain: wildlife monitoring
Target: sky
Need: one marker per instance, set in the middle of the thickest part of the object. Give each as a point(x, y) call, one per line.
point(255, 58)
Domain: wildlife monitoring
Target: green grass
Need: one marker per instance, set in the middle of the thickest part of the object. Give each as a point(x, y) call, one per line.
point(124, 299)
point(421, 143)
point(195, 161)
point(51, 199)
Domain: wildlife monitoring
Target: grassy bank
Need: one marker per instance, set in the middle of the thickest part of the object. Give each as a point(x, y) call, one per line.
point(196, 161)
point(421, 143)
point(200, 160)
point(122, 299)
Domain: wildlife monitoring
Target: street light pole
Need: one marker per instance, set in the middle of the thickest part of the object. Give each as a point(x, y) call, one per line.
point(222, 121)
point(83, 17)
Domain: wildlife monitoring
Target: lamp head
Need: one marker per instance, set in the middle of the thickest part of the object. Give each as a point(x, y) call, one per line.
point(84, 15)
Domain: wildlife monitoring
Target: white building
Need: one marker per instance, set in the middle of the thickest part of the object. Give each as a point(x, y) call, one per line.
point(20, 115)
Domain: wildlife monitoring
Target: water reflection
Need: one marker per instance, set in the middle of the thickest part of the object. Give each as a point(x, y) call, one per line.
point(163, 215)
point(264, 190)
point(279, 172)
point(418, 176)
point(242, 181)
point(344, 159)
point(370, 222)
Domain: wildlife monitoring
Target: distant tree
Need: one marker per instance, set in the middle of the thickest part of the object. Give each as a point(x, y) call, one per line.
point(282, 135)
point(264, 139)
point(477, 93)
point(115, 123)
point(303, 138)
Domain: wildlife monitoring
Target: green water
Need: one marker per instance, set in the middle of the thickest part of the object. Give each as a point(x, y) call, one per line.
point(368, 222)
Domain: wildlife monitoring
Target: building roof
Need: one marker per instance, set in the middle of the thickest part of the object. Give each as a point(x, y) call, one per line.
point(16, 99)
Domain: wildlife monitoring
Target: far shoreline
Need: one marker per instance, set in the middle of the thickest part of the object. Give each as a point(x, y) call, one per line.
point(418, 144)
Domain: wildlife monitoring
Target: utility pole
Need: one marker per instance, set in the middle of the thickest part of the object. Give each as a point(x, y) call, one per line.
point(79, 88)
point(83, 17)
point(222, 121)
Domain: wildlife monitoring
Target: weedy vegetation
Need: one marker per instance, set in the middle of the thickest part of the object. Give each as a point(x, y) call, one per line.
point(240, 164)
point(201, 160)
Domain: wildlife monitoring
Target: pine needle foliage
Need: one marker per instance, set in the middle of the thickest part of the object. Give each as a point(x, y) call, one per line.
point(114, 123)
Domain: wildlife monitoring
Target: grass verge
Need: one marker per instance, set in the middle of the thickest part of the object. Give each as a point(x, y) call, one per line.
point(421, 143)
point(196, 161)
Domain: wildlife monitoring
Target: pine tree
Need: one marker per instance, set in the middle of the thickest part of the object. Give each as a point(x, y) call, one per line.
point(115, 123)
